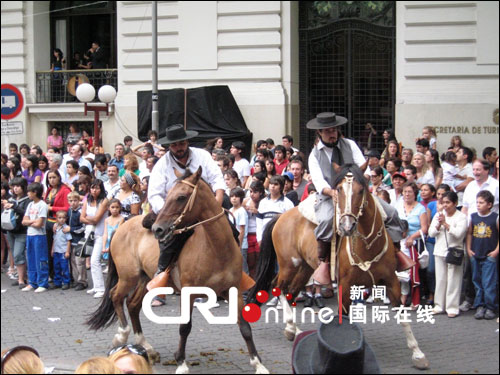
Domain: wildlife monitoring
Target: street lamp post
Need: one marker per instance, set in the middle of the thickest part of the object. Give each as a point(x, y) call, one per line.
point(86, 93)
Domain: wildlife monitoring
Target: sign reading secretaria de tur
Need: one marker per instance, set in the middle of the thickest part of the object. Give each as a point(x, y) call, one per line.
point(12, 101)
point(12, 127)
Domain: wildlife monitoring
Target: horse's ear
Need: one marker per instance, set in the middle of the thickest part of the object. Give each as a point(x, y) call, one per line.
point(336, 167)
point(198, 173)
point(177, 173)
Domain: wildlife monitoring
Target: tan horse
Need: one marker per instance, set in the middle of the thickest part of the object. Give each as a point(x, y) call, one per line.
point(366, 255)
point(210, 258)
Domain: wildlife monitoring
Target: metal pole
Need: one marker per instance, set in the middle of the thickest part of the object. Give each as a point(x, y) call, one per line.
point(96, 127)
point(154, 91)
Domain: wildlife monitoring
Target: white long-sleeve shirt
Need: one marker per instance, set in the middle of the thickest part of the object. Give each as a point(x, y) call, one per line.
point(315, 169)
point(163, 178)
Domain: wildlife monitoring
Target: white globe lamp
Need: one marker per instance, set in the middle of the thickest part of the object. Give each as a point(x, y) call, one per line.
point(85, 92)
point(107, 94)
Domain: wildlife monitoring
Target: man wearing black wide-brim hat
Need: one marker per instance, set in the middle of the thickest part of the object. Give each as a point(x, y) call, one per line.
point(332, 149)
point(180, 158)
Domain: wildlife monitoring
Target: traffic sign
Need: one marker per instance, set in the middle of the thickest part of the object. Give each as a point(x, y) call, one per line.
point(12, 101)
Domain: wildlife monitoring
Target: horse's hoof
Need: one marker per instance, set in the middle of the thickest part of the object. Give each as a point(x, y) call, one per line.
point(421, 363)
point(290, 335)
point(182, 369)
point(154, 357)
point(262, 370)
point(259, 367)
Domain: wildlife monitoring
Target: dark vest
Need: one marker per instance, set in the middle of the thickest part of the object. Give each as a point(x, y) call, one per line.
point(325, 161)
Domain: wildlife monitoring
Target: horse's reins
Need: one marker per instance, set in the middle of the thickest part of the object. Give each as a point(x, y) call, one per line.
point(188, 208)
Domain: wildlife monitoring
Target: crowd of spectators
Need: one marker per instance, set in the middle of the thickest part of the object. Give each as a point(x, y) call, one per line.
point(73, 195)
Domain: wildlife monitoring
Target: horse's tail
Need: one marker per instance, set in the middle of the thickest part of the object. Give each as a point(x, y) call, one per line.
point(267, 262)
point(105, 315)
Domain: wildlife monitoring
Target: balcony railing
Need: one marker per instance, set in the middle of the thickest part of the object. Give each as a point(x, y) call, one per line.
point(60, 86)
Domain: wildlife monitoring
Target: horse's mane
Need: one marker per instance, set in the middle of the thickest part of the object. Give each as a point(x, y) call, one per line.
point(356, 172)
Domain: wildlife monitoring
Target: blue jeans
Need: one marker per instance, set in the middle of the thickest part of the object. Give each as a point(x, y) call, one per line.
point(17, 243)
point(484, 277)
point(38, 261)
point(61, 269)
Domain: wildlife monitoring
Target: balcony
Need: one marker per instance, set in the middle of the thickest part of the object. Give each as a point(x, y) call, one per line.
point(60, 86)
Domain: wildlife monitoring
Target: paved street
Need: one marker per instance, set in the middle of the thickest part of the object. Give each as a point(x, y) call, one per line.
point(461, 345)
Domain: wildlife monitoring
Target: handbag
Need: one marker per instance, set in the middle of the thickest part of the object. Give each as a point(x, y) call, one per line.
point(455, 255)
point(85, 246)
point(9, 219)
point(423, 255)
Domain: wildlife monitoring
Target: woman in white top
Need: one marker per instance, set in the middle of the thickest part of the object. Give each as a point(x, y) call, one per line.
point(94, 213)
point(424, 173)
point(451, 225)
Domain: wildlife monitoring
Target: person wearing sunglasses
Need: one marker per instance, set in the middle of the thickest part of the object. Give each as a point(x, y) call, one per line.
point(131, 359)
point(22, 360)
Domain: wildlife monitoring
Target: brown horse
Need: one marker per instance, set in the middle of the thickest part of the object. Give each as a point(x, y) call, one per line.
point(210, 258)
point(365, 253)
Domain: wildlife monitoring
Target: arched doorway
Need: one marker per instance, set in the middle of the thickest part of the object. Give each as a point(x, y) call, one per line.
point(347, 65)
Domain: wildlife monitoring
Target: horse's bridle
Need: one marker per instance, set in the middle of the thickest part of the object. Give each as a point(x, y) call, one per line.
point(347, 185)
point(363, 265)
point(187, 208)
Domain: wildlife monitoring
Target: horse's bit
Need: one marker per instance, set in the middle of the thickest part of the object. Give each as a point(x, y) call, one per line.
point(189, 205)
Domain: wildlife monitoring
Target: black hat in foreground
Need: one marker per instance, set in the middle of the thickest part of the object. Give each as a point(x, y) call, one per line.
point(176, 133)
point(334, 349)
point(326, 120)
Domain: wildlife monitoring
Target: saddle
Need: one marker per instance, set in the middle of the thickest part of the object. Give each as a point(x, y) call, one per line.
point(306, 209)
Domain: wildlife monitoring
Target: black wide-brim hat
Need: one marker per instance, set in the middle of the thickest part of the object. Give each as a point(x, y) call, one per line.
point(326, 120)
point(177, 133)
point(334, 349)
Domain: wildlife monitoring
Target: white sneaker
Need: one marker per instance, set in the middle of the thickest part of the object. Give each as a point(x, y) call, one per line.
point(91, 291)
point(40, 289)
point(387, 301)
point(273, 302)
point(27, 288)
point(370, 299)
point(99, 294)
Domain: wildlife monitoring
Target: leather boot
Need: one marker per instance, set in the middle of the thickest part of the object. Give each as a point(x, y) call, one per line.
point(404, 262)
point(318, 301)
point(322, 273)
point(309, 301)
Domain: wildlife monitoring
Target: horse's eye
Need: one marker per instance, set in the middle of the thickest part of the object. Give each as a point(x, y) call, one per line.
point(181, 198)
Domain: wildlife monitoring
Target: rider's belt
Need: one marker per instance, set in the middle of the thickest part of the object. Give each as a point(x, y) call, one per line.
point(268, 215)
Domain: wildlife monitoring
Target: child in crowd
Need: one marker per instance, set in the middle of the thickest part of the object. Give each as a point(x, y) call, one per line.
point(251, 204)
point(77, 231)
point(240, 221)
point(145, 206)
point(16, 237)
point(429, 133)
point(450, 170)
point(111, 224)
point(36, 241)
point(61, 251)
point(482, 247)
